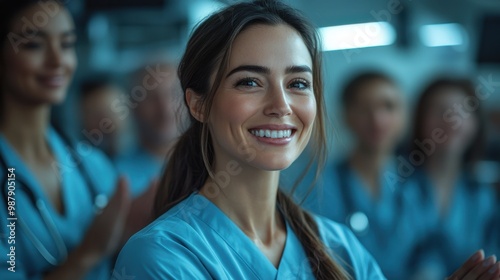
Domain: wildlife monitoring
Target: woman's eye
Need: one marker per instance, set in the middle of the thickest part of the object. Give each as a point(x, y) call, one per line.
point(389, 106)
point(300, 84)
point(247, 82)
point(32, 45)
point(68, 45)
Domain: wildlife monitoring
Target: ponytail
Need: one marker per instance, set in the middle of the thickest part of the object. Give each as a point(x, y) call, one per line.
point(306, 229)
point(185, 172)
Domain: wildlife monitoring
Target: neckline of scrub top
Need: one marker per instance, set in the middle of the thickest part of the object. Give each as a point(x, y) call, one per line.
point(249, 252)
point(383, 207)
point(458, 187)
point(58, 148)
point(462, 196)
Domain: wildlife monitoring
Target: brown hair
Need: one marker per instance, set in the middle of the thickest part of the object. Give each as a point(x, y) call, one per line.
point(474, 150)
point(190, 165)
point(352, 87)
point(9, 10)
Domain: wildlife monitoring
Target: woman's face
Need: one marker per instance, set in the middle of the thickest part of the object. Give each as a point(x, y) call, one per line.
point(376, 116)
point(37, 66)
point(445, 110)
point(263, 112)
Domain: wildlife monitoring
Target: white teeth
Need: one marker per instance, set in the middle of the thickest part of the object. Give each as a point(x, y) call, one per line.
point(272, 133)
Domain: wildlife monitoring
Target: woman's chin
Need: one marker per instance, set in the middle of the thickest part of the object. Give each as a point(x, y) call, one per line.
point(274, 164)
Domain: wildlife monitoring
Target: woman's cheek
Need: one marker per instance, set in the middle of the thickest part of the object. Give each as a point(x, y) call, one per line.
point(306, 111)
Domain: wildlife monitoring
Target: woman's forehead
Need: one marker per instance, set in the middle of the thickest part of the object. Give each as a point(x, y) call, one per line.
point(274, 46)
point(36, 20)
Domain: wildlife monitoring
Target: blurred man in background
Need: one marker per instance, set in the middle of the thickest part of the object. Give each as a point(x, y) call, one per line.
point(102, 126)
point(156, 103)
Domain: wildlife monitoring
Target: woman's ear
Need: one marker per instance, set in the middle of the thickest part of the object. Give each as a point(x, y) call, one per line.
point(194, 103)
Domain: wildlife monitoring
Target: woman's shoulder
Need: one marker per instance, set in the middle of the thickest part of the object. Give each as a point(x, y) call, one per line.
point(80, 152)
point(179, 223)
point(345, 247)
point(168, 248)
point(336, 235)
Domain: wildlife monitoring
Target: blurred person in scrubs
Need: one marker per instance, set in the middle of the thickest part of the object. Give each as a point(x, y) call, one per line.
point(66, 209)
point(366, 190)
point(252, 80)
point(101, 125)
point(448, 134)
point(159, 116)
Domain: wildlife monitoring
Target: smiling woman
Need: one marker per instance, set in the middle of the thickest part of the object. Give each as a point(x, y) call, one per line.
point(251, 74)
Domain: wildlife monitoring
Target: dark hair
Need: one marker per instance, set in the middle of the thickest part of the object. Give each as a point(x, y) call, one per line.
point(353, 86)
point(8, 12)
point(190, 165)
point(433, 89)
point(10, 9)
point(91, 84)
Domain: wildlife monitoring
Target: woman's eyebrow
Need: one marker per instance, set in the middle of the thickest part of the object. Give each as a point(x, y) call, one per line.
point(298, 69)
point(250, 68)
point(266, 70)
point(43, 34)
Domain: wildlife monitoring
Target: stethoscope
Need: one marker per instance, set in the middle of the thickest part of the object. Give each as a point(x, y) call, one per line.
point(356, 219)
point(100, 201)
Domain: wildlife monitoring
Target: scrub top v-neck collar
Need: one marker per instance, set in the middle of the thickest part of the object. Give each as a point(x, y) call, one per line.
point(23, 172)
point(247, 250)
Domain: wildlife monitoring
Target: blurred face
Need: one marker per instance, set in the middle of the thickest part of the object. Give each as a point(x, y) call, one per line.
point(375, 116)
point(445, 111)
point(39, 65)
point(157, 114)
point(265, 102)
point(96, 110)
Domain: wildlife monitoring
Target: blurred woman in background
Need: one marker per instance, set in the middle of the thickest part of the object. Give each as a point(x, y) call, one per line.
point(55, 188)
point(366, 190)
point(448, 136)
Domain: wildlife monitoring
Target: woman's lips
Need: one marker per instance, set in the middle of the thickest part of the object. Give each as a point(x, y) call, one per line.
point(273, 136)
point(52, 81)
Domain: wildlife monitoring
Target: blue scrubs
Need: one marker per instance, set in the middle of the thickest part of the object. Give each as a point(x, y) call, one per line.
point(460, 231)
point(196, 240)
point(140, 168)
point(389, 226)
point(494, 232)
point(77, 201)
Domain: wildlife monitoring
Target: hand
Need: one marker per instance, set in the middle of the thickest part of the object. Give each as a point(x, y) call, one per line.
point(141, 211)
point(104, 235)
point(478, 268)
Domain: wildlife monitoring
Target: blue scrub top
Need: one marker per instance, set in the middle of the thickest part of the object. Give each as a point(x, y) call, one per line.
point(77, 201)
point(462, 230)
point(140, 168)
point(389, 227)
point(494, 232)
point(196, 240)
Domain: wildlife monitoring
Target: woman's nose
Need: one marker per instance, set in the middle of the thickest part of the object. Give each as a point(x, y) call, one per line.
point(278, 102)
